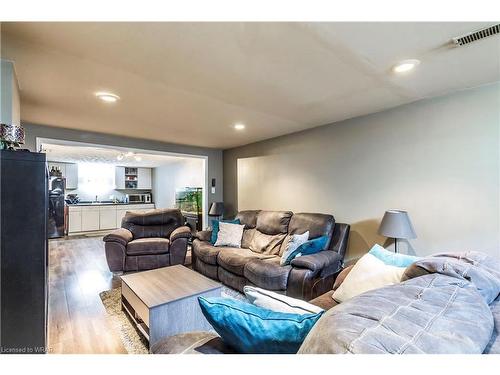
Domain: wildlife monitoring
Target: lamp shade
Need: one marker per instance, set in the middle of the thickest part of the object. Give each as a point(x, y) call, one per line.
point(216, 209)
point(397, 224)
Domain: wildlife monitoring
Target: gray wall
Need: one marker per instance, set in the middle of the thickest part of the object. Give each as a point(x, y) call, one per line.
point(436, 158)
point(10, 105)
point(214, 156)
point(180, 174)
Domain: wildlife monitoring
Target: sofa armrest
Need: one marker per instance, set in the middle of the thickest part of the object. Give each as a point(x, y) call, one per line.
point(340, 237)
point(181, 232)
point(121, 235)
point(325, 262)
point(203, 235)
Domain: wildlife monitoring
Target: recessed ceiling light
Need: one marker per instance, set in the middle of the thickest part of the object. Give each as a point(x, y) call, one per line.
point(129, 154)
point(138, 158)
point(120, 157)
point(239, 126)
point(405, 66)
point(107, 97)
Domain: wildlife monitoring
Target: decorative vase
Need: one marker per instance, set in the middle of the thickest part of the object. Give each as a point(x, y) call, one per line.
point(11, 136)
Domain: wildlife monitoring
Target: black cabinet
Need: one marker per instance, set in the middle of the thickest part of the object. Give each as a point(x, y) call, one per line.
point(23, 252)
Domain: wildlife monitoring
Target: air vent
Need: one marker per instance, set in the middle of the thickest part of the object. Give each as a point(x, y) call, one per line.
point(476, 35)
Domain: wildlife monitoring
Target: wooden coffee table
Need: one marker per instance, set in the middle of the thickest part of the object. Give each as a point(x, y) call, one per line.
point(164, 302)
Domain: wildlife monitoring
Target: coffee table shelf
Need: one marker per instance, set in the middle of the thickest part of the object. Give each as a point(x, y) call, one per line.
point(164, 302)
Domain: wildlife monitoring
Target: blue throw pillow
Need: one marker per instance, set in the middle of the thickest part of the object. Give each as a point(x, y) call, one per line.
point(251, 329)
point(308, 248)
point(215, 228)
point(392, 259)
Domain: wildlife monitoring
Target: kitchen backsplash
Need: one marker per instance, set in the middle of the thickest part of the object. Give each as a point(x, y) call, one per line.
point(99, 180)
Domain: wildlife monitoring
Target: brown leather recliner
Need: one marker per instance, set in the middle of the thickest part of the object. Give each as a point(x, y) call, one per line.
point(257, 262)
point(147, 241)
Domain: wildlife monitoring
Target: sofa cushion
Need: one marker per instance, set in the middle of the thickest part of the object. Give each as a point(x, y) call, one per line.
point(148, 246)
point(291, 244)
point(267, 273)
point(234, 260)
point(392, 259)
point(317, 224)
point(274, 301)
point(325, 301)
point(252, 329)
point(273, 222)
point(155, 223)
point(248, 218)
point(266, 243)
point(368, 273)
point(229, 235)
point(247, 237)
point(231, 280)
point(206, 251)
point(215, 228)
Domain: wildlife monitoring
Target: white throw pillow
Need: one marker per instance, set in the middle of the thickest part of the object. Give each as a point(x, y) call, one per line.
point(278, 302)
point(367, 274)
point(229, 235)
point(292, 244)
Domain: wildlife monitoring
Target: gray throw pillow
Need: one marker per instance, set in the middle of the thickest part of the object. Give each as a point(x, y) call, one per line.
point(293, 243)
point(229, 235)
point(278, 302)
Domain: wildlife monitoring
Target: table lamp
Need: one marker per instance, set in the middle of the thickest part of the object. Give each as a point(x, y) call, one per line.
point(216, 209)
point(396, 224)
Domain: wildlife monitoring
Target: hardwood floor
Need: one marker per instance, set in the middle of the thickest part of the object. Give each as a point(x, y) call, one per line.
point(78, 322)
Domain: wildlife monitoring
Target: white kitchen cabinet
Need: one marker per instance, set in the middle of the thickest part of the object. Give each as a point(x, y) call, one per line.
point(71, 176)
point(60, 166)
point(101, 217)
point(90, 219)
point(75, 220)
point(122, 210)
point(119, 177)
point(107, 218)
point(143, 178)
point(69, 172)
point(120, 214)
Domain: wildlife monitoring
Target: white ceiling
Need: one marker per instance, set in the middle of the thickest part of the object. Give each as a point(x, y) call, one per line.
point(190, 82)
point(61, 151)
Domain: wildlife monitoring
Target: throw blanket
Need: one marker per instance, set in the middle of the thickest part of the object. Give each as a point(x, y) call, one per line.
point(442, 306)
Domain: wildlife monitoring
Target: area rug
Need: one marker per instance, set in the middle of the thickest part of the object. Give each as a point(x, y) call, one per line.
point(132, 340)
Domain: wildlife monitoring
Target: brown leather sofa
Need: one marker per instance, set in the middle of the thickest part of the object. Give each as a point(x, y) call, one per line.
point(147, 241)
point(257, 262)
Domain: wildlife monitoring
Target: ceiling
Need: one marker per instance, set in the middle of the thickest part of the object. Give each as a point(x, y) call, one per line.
point(71, 152)
point(189, 83)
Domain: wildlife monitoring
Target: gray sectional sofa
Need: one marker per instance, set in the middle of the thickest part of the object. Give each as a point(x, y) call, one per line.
point(445, 304)
point(257, 262)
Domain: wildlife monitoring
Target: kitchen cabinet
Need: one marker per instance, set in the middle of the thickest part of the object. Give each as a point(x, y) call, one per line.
point(107, 218)
point(138, 178)
point(119, 178)
point(71, 176)
point(90, 219)
point(75, 220)
point(143, 178)
point(101, 217)
point(69, 172)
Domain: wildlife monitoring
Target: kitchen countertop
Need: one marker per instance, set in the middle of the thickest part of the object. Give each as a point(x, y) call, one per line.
point(104, 204)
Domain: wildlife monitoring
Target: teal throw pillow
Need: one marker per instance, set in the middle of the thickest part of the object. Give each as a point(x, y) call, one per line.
point(215, 228)
point(293, 243)
point(392, 259)
point(308, 248)
point(251, 329)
